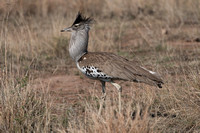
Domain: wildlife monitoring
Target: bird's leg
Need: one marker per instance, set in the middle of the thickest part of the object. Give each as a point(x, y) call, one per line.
point(103, 97)
point(119, 88)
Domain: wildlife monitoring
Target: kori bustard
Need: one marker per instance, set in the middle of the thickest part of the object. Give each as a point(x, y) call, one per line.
point(102, 66)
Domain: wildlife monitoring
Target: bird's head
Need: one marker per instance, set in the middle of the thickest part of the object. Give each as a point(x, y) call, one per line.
point(81, 22)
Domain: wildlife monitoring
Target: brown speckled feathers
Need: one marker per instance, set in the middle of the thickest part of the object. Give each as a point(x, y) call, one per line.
point(119, 68)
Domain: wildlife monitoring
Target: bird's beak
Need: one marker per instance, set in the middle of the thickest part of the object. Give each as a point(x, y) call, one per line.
point(69, 29)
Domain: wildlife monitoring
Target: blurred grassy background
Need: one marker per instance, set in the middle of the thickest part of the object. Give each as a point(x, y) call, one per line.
point(161, 35)
point(30, 30)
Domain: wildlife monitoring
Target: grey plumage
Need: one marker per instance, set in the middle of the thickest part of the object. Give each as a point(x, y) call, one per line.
point(78, 43)
point(79, 36)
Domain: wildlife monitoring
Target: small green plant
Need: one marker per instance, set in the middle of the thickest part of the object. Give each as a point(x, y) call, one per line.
point(161, 48)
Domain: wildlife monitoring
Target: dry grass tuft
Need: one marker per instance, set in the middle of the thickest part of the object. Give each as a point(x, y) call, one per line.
point(25, 109)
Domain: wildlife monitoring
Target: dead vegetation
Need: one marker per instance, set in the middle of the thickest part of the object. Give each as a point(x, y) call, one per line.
point(161, 35)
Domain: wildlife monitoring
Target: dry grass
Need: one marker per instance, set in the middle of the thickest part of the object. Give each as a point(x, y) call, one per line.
point(162, 35)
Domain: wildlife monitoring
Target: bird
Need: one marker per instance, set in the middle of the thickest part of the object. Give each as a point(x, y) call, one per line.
point(104, 66)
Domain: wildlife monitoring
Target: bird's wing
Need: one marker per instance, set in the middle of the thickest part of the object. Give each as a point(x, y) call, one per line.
point(119, 67)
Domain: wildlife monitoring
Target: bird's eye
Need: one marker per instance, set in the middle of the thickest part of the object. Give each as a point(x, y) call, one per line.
point(76, 25)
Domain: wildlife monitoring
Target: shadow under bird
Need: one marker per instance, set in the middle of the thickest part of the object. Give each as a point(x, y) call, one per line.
point(103, 66)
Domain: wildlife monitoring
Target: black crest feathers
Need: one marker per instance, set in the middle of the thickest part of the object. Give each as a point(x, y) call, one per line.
point(82, 19)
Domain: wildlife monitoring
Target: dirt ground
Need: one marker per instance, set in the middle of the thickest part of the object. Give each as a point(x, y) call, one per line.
point(70, 89)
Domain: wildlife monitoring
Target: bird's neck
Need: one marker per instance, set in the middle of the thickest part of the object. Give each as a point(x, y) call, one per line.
point(78, 44)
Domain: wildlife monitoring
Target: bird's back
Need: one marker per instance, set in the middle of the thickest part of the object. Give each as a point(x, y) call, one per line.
point(102, 65)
